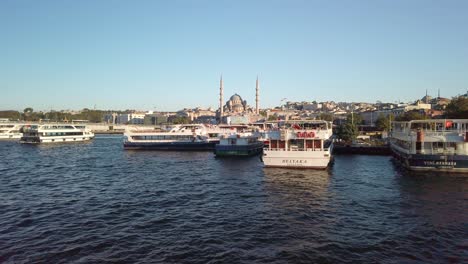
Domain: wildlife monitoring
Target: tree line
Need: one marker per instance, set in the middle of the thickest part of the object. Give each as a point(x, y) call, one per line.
point(29, 114)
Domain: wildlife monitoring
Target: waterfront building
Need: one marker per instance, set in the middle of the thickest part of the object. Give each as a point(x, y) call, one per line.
point(198, 114)
point(154, 119)
point(131, 118)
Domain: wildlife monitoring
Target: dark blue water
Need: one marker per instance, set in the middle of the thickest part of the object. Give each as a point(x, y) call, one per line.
point(96, 203)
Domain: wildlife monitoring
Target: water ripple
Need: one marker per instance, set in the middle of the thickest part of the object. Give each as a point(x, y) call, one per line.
point(95, 203)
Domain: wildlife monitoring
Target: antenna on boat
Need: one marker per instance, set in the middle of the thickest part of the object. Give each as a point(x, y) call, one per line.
point(221, 88)
point(257, 111)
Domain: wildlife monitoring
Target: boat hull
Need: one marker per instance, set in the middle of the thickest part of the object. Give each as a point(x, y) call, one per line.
point(296, 159)
point(424, 162)
point(51, 140)
point(178, 146)
point(238, 150)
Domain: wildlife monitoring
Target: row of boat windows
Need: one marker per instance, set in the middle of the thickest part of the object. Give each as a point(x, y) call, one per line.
point(163, 137)
point(300, 144)
point(402, 143)
point(55, 134)
point(449, 125)
point(427, 145)
point(439, 145)
point(59, 127)
point(233, 141)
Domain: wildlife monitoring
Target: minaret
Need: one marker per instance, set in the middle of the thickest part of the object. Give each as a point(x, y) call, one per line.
point(221, 88)
point(438, 93)
point(257, 110)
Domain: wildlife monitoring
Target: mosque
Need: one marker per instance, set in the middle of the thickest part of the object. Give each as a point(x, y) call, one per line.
point(236, 110)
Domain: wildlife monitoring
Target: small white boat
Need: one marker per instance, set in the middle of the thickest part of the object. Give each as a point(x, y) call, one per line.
point(10, 131)
point(54, 133)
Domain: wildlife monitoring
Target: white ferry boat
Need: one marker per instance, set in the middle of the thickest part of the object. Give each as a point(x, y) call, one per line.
point(53, 133)
point(431, 145)
point(180, 137)
point(239, 144)
point(10, 131)
point(300, 144)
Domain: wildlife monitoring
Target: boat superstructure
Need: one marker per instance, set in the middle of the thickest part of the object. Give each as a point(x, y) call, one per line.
point(431, 145)
point(299, 144)
point(53, 133)
point(239, 143)
point(10, 131)
point(179, 137)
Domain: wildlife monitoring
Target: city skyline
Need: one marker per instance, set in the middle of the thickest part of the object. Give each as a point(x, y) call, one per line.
point(169, 55)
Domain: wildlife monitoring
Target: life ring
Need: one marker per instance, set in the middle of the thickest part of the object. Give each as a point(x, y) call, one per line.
point(311, 134)
point(299, 134)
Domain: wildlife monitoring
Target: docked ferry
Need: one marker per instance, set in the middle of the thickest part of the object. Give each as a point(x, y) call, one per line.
point(54, 133)
point(300, 144)
point(431, 145)
point(239, 144)
point(180, 137)
point(10, 131)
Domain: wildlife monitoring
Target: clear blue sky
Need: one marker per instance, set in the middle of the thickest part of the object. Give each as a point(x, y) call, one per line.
point(169, 54)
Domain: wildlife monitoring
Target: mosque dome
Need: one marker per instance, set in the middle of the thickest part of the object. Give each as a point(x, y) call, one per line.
point(236, 99)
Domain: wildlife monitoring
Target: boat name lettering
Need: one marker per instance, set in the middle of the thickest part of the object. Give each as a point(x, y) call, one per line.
point(305, 134)
point(294, 161)
point(440, 163)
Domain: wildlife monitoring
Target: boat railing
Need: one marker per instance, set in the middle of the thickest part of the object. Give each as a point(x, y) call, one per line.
point(297, 149)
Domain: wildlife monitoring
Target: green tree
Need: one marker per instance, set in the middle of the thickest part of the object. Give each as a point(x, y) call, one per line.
point(383, 122)
point(347, 131)
point(181, 120)
point(27, 112)
point(326, 116)
point(355, 119)
point(457, 108)
point(272, 118)
point(411, 115)
point(10, 114)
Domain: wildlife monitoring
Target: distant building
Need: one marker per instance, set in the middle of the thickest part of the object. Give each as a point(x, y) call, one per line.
point(311, 106)
point(154, 119)
point(198, 114)
point(132, 118)
point(111, 118)
point(419, 105)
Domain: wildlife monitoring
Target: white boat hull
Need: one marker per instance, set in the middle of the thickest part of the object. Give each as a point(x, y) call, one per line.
point(296, 159)
point(55, 140)
point(10, 136)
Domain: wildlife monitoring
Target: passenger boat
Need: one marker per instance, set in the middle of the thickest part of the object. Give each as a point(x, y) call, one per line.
point(180, 137)
point(299, 144)
point(10, 131)
point(431, 145)
point(54, 133)
point(239, 144)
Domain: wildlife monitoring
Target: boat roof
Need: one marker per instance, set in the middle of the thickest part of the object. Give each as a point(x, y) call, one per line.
point(425, 121)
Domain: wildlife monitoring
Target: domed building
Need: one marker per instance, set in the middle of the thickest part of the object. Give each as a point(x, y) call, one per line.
point(236, 110)
point(236, 105)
